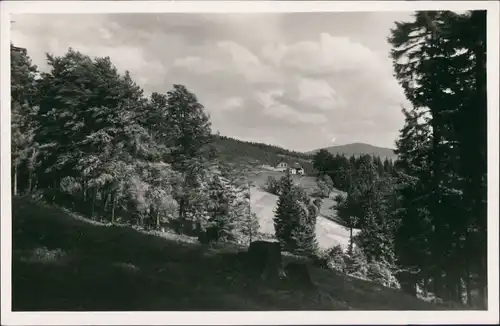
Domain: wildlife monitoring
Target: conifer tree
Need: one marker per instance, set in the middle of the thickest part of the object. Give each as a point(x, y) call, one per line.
point(439, 59)
point(295, 218)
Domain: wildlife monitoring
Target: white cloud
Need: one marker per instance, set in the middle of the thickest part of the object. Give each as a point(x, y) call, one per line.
point(329, 54)
point(232, 103)
point(105, 33)
point(274, 52)
point(187, 62)
point(275, 109)
point(228, 57)
point(319, 94)
point(199, 65)
point(76, 35)
point(268, 98)
point(241, 56)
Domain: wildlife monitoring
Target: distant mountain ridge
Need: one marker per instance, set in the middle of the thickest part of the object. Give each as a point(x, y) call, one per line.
point(358, 149)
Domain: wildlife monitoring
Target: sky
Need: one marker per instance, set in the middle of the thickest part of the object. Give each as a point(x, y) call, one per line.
point(297, 80)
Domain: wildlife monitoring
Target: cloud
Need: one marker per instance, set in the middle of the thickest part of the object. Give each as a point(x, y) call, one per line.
point(327, 55)
point(232, 103)
point(198, 65)
point(260, 76)
point(93, 35)
point(319, 93)
point(273, 108)
point(229, 57)
point(241, 56)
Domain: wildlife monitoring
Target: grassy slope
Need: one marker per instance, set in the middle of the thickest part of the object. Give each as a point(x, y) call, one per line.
point(116, 268)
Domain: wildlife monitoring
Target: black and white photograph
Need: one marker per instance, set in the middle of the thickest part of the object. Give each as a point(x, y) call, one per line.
point(250, 160)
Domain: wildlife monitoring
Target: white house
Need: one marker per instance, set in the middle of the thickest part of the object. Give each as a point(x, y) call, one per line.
point(297, 169)
point(294, 168)
point(282, 166)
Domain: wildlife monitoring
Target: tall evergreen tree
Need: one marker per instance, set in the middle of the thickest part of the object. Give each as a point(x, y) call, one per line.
point(295, 219)
point(439, 60)
point(220, 203)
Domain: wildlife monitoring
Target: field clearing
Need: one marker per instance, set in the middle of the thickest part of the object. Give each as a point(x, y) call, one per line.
point(329, 232)
point(260, 178)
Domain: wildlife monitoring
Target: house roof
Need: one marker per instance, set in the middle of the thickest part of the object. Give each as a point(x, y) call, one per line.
point(293, 165)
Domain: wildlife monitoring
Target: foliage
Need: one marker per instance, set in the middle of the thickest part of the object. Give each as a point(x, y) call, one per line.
point(295, 218)
point(336, 259)
point(382, 273)
point(440, 61)
point(221, 217)
point(323, 189)
point(90, 140)
point(24, 107)
point(355, 263)
point(403, 209)
point(273, 185)
point(342, 173)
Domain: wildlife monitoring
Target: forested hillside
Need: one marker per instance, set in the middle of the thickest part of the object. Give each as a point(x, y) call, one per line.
point(85, 137)
point(358, 149)
point(234, 150)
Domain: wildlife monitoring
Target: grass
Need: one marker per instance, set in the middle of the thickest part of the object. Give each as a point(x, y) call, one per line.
point(306, 182)
point(65, 263)
point(328, 232)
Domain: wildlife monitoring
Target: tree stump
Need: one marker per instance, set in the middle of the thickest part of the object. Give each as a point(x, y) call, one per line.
point(264, 258)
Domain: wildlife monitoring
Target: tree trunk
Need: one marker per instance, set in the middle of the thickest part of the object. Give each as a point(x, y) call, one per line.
point(468, 282)
point(437, 285)
point(56, 188)
point(250, 233)
point(181, 208)
point(30, 181)
point(84, 191)
point(113, 205)
point(478, 164)
point(409, 284)
point(351, 245)
point(30, 171)
point(105, 201)
point(15, 180)
point(181, 215)
point(460, 291)
point(483, 284)
point(450, 286)
point(94, 198)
